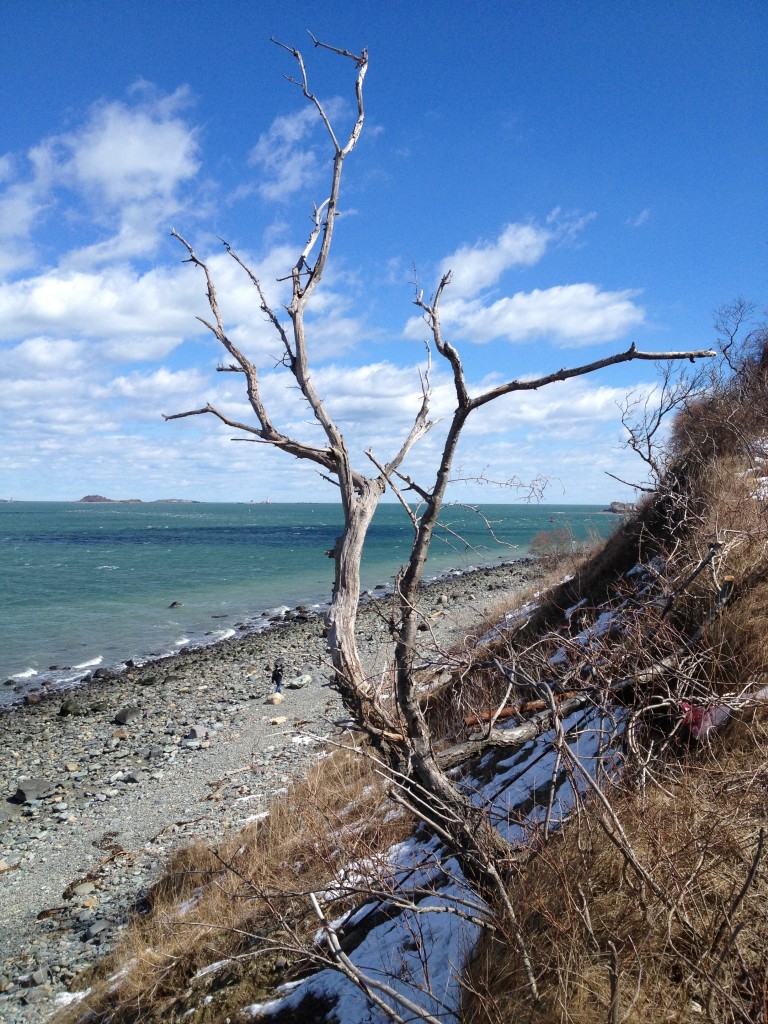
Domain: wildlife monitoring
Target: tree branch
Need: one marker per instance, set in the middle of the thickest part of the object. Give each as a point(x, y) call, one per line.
point(631, 354)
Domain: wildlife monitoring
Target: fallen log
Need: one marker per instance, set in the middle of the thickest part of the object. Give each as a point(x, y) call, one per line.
point(523, 708)
point(512, 738)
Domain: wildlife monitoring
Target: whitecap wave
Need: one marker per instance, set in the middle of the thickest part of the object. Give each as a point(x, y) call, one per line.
point(223, 634)
point(280, 610)
point(26, 674)
point(90, 664)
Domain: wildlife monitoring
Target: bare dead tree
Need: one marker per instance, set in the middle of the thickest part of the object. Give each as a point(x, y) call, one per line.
point(399, 728)
point(736, 331)
point(644, 415)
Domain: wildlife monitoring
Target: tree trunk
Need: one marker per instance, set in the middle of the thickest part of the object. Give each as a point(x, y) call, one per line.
point(341, 618)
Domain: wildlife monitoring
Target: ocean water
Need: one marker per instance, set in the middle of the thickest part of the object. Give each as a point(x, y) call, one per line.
point(85, 585)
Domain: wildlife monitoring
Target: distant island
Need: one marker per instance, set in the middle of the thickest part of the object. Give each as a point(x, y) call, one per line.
point(620, 508)
point(99, 499)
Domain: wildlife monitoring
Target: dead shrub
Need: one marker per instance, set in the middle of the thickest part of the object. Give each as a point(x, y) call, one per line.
point(605, 947)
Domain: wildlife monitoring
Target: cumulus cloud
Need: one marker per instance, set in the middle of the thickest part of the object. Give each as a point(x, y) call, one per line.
point(479, 266)
point(115, 301)
point(572, 404)
point(39, 357)
point(129, 155)
point(288, 154)
point(158, 385)
point(570, 314)
point(22, 203)
point(128, 161)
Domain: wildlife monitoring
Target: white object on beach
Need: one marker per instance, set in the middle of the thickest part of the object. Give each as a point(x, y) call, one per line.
point(299, 682)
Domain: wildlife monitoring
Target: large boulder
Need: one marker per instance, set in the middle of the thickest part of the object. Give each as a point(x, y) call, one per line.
point(299, 682)
point(32, 789)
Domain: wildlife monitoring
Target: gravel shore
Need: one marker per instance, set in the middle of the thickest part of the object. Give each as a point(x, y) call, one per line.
point(101, 783)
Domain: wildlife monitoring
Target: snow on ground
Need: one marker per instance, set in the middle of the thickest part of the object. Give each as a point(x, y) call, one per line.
point(421, 954)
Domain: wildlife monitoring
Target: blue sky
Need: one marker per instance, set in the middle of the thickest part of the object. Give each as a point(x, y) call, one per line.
point(594, 173)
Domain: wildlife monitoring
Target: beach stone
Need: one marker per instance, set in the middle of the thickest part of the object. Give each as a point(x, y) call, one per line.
point(299, 682)
point(279, 720)
point(127, 715)
point(32, 789)
point(275, 698)
point(84, 889)
point(69, 707)
point(96, 928)
point(196, 732)
point(38, 977)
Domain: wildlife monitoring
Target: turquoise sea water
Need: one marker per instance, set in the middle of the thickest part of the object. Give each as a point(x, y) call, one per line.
point(83, 585)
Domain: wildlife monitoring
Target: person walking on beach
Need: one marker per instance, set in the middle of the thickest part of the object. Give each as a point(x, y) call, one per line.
point(277, 677)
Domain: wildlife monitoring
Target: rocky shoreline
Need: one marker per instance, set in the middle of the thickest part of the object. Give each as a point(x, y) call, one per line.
point(101, 783)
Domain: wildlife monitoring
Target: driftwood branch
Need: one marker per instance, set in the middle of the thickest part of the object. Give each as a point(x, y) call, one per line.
point(508, 738)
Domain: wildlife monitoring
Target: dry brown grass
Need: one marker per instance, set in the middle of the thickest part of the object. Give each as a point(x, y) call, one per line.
point(245, 901)
point(655, 907)
point(607, 948)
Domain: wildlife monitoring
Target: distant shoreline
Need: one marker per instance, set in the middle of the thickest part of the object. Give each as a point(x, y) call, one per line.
point(98, 499)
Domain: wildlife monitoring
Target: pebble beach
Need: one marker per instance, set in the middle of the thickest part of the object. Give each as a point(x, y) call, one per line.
point(101, 783)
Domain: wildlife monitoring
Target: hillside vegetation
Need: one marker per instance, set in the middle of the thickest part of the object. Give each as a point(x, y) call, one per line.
point(649, 903)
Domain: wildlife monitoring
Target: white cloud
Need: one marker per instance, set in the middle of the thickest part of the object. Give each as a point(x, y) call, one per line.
point(479, 266)
point(42, 356)
point(285, 155)
point(116, 301)
point(139, 348)
point(475, 268)
point(128, 162)
point(569, 314)
point(642, 218)
point(22, 203)
point(158, 385)
point(571, 404)
point(130, 155)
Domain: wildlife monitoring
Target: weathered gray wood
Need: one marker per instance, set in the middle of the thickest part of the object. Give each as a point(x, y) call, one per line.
point(512, 738)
